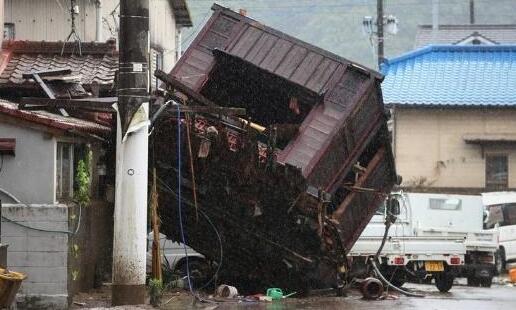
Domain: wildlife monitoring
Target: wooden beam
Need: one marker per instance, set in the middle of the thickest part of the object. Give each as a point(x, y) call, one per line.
point(211, 110)
point(90, 104)
point(56, 72)
point(187, 91)
point(337, 214)
point(44, 86)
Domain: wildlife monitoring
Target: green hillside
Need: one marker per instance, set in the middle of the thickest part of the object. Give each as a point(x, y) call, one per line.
point(336, 25)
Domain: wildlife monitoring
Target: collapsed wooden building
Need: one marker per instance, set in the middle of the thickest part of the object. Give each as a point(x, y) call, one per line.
point(290, 186)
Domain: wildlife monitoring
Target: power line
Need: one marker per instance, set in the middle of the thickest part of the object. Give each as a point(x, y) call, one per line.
point(348, 5)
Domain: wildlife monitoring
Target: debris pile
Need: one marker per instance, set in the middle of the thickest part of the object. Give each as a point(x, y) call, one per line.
point(289, 186)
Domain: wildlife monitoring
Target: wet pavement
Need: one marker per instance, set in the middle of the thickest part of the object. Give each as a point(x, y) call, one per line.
point(500, 296)
point(460, 297)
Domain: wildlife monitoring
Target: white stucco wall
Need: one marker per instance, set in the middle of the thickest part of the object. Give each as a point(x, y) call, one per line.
point(30, 174)
point(429, 146)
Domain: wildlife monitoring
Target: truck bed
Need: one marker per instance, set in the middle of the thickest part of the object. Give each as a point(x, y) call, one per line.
point(427, 246)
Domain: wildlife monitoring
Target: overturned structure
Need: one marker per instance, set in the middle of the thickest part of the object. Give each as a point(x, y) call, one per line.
point(290, 186)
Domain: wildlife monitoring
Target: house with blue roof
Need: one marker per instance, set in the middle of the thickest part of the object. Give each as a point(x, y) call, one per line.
point(453, 113)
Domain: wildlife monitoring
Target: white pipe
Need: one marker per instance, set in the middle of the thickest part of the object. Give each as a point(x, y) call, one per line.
point(435, 14)
point(98, 33)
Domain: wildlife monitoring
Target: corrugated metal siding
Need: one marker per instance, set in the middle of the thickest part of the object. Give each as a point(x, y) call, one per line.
point(49, 20)
point(277, 54)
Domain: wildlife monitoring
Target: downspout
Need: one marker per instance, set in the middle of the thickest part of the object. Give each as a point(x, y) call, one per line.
point(435, 15)
point(98, 8)
point(394, 131)
point(179, 49)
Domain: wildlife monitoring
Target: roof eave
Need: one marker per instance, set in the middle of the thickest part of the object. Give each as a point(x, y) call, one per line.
point(450, 105)
point(181, 13)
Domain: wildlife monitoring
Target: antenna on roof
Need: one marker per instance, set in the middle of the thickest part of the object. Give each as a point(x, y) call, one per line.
point(74, 10)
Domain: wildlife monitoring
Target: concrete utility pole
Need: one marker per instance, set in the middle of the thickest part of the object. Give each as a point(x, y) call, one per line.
point(130, 227)
point(379, 26)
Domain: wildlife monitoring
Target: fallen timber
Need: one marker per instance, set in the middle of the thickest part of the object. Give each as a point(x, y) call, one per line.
point(288, 201)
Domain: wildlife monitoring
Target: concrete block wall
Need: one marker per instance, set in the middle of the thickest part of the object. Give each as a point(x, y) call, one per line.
point(43, 256)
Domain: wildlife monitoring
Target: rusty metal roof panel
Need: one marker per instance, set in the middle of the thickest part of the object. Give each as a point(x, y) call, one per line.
point(262, 46)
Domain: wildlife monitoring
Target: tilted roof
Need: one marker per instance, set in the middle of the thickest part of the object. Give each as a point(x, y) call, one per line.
point(239, 45)
point(467, 75)
point(453, 34)
point(268, 49)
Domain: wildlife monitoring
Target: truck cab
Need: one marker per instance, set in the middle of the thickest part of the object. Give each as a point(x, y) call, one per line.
point(462, 216)
point(501, 217)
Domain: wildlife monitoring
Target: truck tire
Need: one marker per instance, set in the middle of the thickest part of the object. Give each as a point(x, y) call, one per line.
point(486, 282)
point(473, 281)
point(443, 281)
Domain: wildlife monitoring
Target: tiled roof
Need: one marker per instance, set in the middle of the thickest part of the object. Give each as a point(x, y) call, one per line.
point(452, 75)
point(452, 34)
point(68, 124)
point(98, 62)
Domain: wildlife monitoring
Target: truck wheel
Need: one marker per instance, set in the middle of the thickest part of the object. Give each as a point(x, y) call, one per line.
point(443, 281)
point(486, 282)
point(473, 281)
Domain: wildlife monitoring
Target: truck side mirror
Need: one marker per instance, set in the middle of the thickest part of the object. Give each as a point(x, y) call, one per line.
point(393, 206)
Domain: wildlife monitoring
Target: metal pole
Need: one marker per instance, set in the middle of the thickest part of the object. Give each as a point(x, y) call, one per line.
point(98, 32)
point(472, 11)
point(130, 226)
point(435, 14)
point(379, 23)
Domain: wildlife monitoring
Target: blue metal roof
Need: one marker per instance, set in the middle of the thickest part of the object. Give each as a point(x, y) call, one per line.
point(452, 75)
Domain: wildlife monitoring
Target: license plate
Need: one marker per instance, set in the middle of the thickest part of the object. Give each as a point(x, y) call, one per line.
point(434, 266)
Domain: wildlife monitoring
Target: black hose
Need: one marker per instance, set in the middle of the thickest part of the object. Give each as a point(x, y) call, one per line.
point(373, 261)
point(386, 232)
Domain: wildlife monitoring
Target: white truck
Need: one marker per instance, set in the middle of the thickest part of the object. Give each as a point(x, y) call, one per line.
point(501, 218)
point(433, 237)
point(459, 216)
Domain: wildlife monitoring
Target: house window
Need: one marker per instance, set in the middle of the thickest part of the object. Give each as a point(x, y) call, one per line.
point(9, 31)
point(497, 171)
point(64, 171)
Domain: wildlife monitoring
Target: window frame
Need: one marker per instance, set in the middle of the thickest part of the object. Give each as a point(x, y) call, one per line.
point(59, 168)
point(494, 185)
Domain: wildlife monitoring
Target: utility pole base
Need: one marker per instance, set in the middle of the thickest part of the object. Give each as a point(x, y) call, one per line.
point(127, 295)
